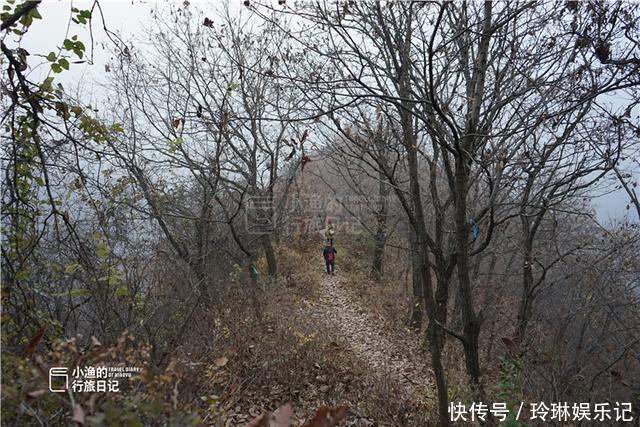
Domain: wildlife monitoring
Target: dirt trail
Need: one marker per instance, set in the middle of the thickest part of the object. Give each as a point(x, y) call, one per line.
point(356, 329)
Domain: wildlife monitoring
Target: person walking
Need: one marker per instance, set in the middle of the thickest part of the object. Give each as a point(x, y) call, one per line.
point(329, 255)
point(329, 232)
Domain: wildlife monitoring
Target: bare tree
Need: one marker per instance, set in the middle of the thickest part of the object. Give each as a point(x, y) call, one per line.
point(469, 84)
point(194, 102)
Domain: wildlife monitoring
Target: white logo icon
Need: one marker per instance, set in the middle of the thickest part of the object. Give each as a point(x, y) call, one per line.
point(57, 375)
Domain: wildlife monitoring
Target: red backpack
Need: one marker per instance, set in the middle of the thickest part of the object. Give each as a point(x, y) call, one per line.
point(330, 255)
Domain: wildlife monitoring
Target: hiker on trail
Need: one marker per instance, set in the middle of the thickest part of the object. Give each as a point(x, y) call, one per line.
point(329, 254)
point(329, 232)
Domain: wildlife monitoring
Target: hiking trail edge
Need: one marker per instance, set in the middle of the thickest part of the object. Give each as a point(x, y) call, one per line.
point(363, 334)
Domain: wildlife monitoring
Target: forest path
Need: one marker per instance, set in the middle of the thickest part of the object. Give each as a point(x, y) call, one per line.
point(396, 358)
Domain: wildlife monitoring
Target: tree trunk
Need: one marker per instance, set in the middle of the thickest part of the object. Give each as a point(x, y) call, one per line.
point(491, 295)
point(525, 305)
point(470, 320)
point(254, 289)
point(436, 338)
point(381, 232)
point(272, 264)
point(377, 267)
point(417, 311)
point(463, 160)
point(435, 332)
point(205, 297)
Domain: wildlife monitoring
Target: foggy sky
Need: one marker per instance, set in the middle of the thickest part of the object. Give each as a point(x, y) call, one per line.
point(129, 18)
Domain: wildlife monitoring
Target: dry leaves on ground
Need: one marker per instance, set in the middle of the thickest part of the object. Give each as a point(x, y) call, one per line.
point(324, 417)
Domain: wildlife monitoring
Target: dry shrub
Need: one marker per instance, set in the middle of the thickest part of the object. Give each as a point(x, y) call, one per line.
point(146, 398)
point(224, 368)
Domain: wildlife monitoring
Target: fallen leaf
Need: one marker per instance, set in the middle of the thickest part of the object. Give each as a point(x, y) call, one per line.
point(36, 393)
point(282, 416)
point(511, 345)
point(618, 379)
point(78, 415)
point(220, 362)
point(259, 421)
point(98, 354)
point(31, 346)
point(92, 403)
point(42, 368)
point(327, 417)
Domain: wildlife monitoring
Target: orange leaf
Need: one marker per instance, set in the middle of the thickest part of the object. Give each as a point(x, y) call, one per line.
point(31, 347)
point(511, 345)
point(327, 417)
